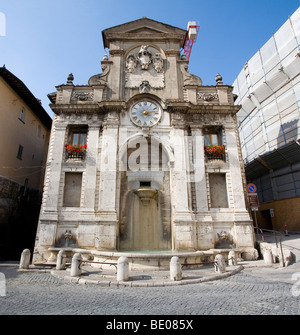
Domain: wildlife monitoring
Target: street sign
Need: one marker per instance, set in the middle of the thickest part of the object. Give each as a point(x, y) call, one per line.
point(251, 188)
point(253, 201)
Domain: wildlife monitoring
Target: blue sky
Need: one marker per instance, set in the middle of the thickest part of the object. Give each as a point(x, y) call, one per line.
point(45, 40)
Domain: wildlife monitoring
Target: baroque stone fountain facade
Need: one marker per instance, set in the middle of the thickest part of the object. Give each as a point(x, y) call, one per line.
point(127, 168)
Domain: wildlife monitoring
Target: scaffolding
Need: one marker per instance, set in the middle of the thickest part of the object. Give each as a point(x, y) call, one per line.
point(268, 90)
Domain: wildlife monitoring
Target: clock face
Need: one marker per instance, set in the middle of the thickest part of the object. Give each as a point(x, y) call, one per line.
point(145, 113)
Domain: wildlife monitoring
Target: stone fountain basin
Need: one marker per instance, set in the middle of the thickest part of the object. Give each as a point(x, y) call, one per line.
point(143, 260)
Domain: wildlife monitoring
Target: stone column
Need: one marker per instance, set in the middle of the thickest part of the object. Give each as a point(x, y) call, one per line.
point(171, 79)
point(235, 167)
point(242, 221)
point(107, 231)
point(25, 259)
point(116, 73)
point(54, 166)
point(220, 265)
point(199, 169)
point(184, 228)
point(61, 260)
point(76, 265)
point(175, 269)
point(123, 269)
point(48, 215)
point(204, 226)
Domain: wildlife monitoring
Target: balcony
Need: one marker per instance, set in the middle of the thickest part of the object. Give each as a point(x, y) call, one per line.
point(75, 152)
point(215, 152)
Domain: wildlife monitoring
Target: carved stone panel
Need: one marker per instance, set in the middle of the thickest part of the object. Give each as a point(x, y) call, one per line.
point(145, 64)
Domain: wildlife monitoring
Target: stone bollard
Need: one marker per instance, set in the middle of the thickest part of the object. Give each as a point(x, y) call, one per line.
point(76, 265)
point(61, 260)
point(232, 261)
point(25, 259)
point(123, 269)
point(268, 257)
point(220, 265)
point(175, 269)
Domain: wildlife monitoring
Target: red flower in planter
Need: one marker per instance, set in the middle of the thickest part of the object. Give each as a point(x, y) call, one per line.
point(214, 151)
point(71, 148)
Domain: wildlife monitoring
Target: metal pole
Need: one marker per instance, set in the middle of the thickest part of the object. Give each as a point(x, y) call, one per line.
point(281, 252)
point(255, 219)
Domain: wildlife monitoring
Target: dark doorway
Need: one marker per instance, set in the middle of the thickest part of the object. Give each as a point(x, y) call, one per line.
point(266, 222)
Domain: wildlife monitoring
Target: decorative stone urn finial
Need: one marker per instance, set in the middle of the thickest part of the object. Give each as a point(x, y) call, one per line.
point(70, 79)
point(219, 79)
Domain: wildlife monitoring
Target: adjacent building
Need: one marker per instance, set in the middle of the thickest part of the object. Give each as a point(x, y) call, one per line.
point(144, 157)
point(268, 90)
point(24, 138)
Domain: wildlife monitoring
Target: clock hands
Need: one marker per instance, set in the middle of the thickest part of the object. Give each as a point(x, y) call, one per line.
point(145, 112)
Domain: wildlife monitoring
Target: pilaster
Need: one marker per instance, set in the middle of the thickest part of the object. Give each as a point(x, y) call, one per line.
point(116, 74)
point(172, 89)
point(108, 168)
point(91, 168)
point(199, 169)
point(54, 166)
point(235, 168)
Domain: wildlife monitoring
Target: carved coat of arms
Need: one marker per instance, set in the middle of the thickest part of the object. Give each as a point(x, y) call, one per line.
point(145, 66)
point(145, 57)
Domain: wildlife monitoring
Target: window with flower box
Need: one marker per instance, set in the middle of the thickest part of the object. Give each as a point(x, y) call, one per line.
point(213, 146)
point(76, 145)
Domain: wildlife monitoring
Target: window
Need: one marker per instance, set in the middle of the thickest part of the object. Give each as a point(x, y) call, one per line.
point(76, 142)
point(22, 115)
point(211, 139)
point(79, 138)
point(145, 183)
point(212, 135)
point(72, 189)
point(20, 152)
point(38, 132)
point(213, 147)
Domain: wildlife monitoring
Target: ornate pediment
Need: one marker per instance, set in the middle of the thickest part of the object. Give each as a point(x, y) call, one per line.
point(143, 27)
point(145, 30)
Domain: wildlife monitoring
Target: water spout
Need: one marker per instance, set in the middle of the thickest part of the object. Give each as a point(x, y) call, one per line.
point(146, 194)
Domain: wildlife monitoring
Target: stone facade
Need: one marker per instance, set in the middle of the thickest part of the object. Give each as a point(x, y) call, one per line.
point(143, 181)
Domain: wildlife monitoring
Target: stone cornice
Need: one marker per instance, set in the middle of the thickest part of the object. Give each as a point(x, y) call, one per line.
point(178, 106)
point(172, 52)
point(112, 105)
point(74, 108)
point(143, 36)
point(117, 52)
point(214, 109)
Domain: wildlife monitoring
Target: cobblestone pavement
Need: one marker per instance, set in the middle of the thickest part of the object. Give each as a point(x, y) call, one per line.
point(253, 291)
point(256, 290)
